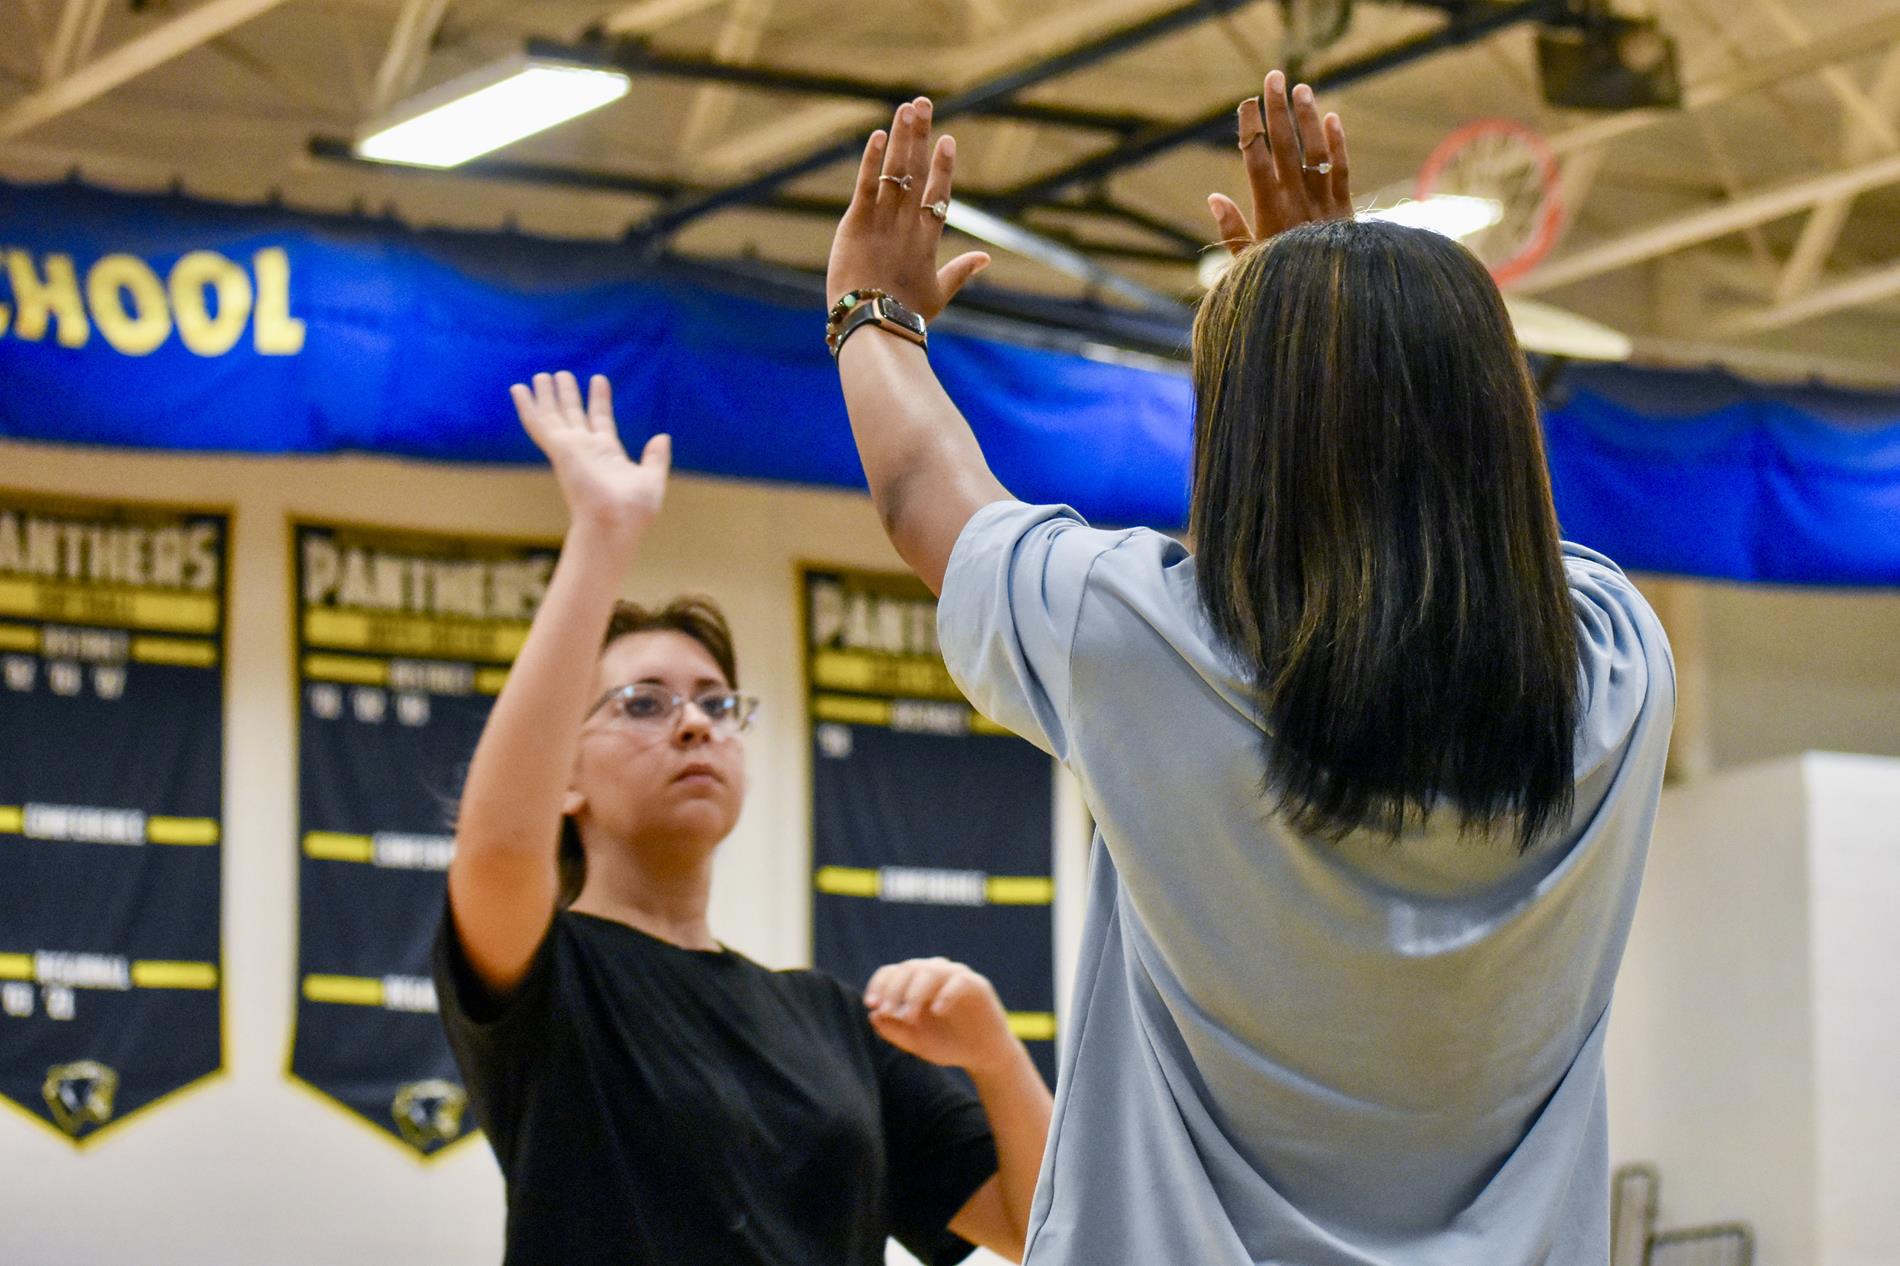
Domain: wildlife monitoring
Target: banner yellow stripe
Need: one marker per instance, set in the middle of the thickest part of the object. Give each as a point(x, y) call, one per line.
point(181, 830)
point(851, 710)
point(19, 637)
point(848, 881)
point(183, 652)
point(155, 974)
point(378, 632)
point(354, 991)
point(980, 724)
point(1020, 890)
point(12, 819)
point(16, 967)
point(1032, 1026)
point(489, 681)
point(347, 668)
point(118, 606)
point(331, 846)
point(900, 676)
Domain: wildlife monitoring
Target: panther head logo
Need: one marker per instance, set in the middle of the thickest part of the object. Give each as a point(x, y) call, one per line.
point(429, 1113)
point(79, 1094)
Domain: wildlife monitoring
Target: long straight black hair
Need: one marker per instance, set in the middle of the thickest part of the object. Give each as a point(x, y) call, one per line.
point(1375, 535)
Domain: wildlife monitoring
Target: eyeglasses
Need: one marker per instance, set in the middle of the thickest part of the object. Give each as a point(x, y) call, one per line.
point(647, 705)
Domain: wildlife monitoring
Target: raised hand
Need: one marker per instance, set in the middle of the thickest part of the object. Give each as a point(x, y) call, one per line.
point(942, 1012)
point(889, 236)
point(1296, 167)
point(602, 486)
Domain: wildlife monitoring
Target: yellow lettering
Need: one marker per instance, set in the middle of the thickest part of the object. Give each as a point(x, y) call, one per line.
point(136, 333)
point(277, 333)
point(168, 558)
point(322, 569)
point(202, 331)
point(201, 556)
point(38, 299)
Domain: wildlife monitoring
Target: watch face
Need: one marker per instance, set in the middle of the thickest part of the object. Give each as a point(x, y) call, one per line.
point(895, 311)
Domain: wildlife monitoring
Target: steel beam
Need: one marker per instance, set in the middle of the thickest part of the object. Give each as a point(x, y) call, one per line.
point(995, 89)
point(1703, 226)
point(1468, 27)
point(128, 61)
point(639, 60)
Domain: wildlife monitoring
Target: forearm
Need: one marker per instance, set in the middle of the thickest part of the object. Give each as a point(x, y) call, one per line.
point(1018, 1106)
point(518, 777)
point(927, 473)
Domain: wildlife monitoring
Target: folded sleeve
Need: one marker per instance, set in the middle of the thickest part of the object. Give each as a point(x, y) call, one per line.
point(1626, 665)
point(1012, 596)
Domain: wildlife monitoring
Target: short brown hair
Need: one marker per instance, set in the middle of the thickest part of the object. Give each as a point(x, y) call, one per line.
point(694, 615)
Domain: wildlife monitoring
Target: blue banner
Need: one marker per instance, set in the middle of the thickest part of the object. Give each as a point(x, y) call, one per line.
point(162, 322)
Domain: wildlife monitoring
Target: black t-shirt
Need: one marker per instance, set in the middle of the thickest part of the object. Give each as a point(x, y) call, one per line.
point(653, 1104)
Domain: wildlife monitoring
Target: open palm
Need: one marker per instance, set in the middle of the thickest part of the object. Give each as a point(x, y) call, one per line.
point(599, 482)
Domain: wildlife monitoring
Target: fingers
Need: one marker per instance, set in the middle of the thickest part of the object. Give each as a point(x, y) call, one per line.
point(1257, 157)
point(1340, 185)
point(864, 194)
point(1232, 226)
point(1280, 132)
point(657, 456)
point(953, 276)
point(567, 394)
point(943, 167)
point(1313, 148)
point(529, 414)
point(903, 991)
point(905, 154)
point(600, 404)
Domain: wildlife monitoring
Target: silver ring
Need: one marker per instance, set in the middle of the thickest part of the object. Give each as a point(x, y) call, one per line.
point(902, 182)
point(940, 209)
point(1318, 169)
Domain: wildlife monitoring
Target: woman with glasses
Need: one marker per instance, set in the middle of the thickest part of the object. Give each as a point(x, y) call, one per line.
point(1373, 767)
point(652, 1096)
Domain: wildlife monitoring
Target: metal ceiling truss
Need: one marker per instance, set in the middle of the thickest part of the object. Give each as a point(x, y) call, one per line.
point(1467, 23)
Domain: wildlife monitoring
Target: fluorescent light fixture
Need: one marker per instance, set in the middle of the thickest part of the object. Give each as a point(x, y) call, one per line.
point(997, 231)
point(1455, 215)
point(488, 108)
point(1553, 331)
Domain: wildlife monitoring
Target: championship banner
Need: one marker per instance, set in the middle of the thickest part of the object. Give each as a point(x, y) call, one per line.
point(111, 789)
point(403, 639)
point(932, 827)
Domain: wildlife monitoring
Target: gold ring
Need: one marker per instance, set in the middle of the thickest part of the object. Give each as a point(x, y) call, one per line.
point(902, 182)
point(1245, 141)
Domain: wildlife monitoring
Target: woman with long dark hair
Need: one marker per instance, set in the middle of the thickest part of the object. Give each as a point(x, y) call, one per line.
point(655, 1098)
point(1374, 768)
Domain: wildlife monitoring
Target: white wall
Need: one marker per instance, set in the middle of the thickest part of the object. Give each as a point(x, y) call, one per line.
point(1699, 1085)
point(248, 1169)
point(1757, 1019)
point(1854, 821)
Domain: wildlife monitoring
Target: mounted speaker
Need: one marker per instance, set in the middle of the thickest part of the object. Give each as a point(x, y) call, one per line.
point(1606, 62)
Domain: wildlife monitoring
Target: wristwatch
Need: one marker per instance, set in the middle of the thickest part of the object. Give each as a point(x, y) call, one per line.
point(873, 307)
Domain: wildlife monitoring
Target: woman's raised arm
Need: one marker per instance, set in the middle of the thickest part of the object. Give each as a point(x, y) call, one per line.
point(504, 880)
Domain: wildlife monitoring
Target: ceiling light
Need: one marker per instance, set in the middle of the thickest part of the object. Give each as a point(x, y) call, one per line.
point(994, 229)
point(1455, 215)
point(488, 108)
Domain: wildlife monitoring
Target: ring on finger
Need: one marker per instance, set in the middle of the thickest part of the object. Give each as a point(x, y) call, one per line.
point(940, 208)
point(1318, 169)
point(1246, 141)
point(902, 182)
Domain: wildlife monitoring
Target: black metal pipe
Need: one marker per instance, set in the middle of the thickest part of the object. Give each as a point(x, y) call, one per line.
point(639, 58)
point(689, 209)
point(1471, 25)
